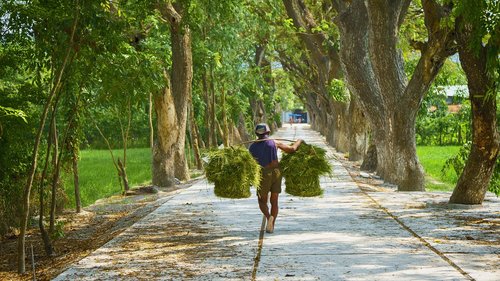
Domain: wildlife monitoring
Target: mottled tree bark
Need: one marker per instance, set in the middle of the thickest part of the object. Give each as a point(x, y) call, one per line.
point(167, 135)
point(182, 77)
point(474, 181)
point(358, 136)
point(169, 152)
point(375, 74)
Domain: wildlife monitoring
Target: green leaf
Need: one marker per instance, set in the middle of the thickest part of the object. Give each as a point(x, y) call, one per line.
point(486, 39)
point(8, 111)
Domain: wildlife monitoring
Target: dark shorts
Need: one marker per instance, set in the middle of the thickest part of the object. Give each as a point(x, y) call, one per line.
point(270, 181)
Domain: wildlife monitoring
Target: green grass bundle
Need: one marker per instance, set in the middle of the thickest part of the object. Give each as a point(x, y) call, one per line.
point(233, 170)
point(302, 170)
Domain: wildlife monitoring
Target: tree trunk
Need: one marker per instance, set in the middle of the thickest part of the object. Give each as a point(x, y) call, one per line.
point(21, 253)
point(72, 141)
point(123, 175)
point(235, 135)
point(370, 159)
point(195, 138)
point(213, 113)
point(55, 172)
point(474, 181)
point(201, 143)
point(115, 163)
point(47, 243)
point(182, 76)
point(358, 134)
point(177, 98)
point(122, 166)
point(342, 121)
point(150, 121)
point(208, 112)
point(257, 105)
point(76, 181)
point(167, 134)
point(221, 132)
point(49, 250)
point(375, 74)
point(224, 118)
point(258, 110)
point(242, 129)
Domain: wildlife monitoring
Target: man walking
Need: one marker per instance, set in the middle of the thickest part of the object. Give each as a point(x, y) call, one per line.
point(265, 151)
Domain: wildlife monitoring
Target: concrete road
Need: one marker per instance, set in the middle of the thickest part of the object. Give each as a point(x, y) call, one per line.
point(346, 234)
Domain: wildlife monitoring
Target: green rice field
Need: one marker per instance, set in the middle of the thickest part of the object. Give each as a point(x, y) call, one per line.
point(99, 178)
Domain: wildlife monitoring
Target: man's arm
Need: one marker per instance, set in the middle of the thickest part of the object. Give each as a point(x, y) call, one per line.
point(289, 148)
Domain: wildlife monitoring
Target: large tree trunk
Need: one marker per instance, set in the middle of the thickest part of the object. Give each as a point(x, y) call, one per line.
point(182, 77)
point(370, 159)
point(170, 151)
point(375, 74)
point(342, 121)
point(358, 135)
point(475, 178)
point(167, 135)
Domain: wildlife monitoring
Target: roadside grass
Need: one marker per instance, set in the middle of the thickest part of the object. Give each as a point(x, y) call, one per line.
point(432, 159)
point(99, 178)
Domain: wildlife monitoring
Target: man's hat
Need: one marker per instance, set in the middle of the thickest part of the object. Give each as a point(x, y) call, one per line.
point(262, 129)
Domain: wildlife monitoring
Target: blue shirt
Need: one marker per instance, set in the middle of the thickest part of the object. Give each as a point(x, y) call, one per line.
point(264, 152)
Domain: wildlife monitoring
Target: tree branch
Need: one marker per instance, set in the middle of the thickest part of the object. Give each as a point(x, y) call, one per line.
point(169, 13)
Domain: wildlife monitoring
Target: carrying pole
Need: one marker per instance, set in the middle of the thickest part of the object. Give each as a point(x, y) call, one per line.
point(259, 140)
